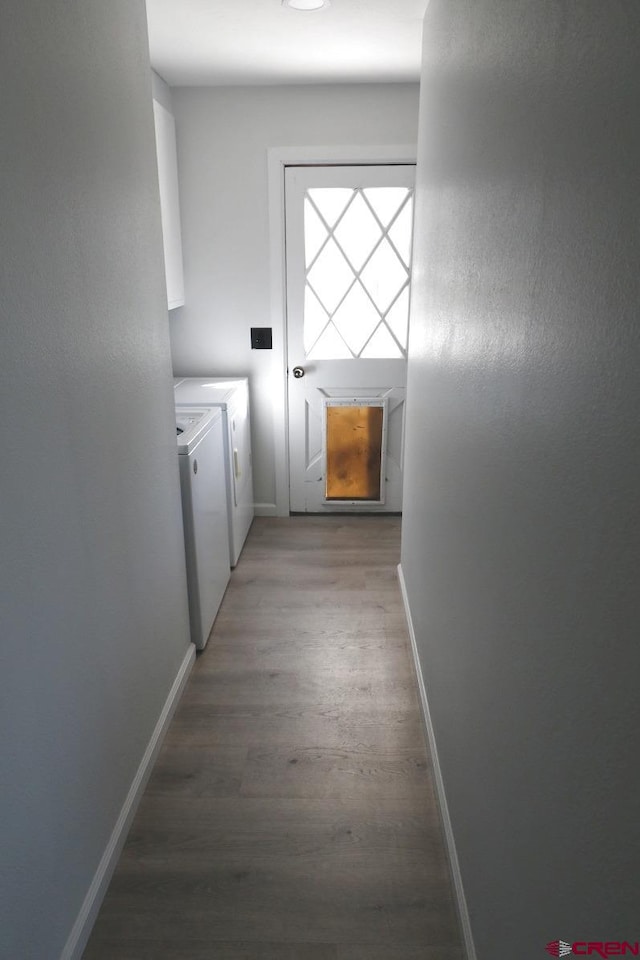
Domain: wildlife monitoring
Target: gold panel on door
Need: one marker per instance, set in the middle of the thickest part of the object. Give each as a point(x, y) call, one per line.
point(354, 447)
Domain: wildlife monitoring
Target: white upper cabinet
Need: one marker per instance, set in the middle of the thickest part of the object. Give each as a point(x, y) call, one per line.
point(169, 203)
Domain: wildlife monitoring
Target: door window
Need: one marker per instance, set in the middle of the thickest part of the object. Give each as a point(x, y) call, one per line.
point(357, 245)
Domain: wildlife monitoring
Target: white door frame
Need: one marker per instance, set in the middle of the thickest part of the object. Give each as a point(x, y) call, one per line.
point(277, 159)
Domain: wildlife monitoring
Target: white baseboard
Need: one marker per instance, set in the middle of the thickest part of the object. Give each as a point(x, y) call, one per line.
point(463, 912)
point(265, 510)
point(88, 912)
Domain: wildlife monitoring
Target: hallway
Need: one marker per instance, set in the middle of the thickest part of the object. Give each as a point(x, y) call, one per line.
point(291, 814)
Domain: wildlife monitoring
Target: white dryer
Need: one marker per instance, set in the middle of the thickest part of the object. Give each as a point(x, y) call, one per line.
point(204, 510)
point(232, 397)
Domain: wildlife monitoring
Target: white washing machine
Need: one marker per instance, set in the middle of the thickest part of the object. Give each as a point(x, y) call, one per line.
point(232, 398)
point(204, 510)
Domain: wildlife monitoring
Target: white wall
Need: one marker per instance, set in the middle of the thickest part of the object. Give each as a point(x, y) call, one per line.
point(161, 91)
point(223, 137)
point(93, 616)
point(521, 535)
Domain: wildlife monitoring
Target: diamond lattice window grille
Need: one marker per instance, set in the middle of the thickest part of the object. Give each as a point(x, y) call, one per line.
point(358, 232)
point(397, 317)
point(384, 276)
point(315, 233)
point(330, 277)
point(331, 202)
point(381, 345)
point(386, 201)
point(330, 346)
point(400, 234)
point(356, 318)
point(316, 319)
point(357, 256)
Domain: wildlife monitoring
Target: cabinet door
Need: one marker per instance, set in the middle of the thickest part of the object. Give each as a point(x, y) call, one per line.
point(169, 203)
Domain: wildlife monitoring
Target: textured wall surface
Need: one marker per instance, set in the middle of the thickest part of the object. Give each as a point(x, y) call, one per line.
point(521, 545)
point(223, 136)
point(161, 91)
point(93, 619)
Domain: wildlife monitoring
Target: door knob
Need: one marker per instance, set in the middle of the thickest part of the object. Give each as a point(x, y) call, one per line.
point(298, 372)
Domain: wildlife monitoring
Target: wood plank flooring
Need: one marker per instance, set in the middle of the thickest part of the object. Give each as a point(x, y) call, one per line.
point(291, 814)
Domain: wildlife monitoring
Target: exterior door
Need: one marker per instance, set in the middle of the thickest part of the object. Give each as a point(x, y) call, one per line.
point(348, 255)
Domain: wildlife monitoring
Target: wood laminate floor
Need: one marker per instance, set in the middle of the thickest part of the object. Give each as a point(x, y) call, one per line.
point(291, 814)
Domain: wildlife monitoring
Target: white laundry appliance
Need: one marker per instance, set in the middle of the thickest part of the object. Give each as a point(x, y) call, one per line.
point(204, 510)
point(231, 396)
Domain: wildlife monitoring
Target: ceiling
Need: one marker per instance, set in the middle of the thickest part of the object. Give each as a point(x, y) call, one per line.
point(223, 42)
